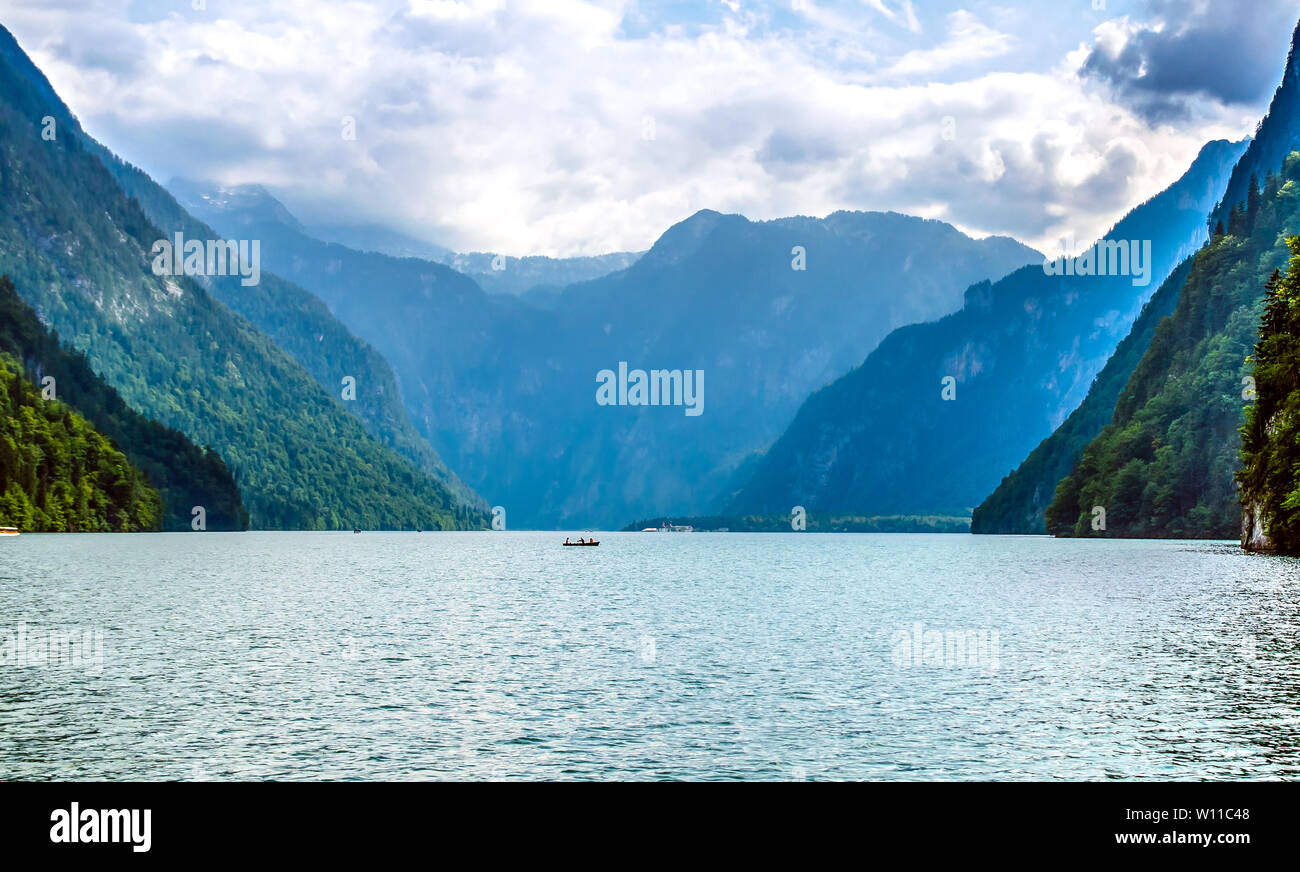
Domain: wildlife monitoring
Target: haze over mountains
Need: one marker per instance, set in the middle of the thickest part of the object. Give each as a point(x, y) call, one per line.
point(1021, 500)
point(539, 279)
point(241, 209)
point(863, 362)
point(505, 388)
point(301, 325)
point(362, 237)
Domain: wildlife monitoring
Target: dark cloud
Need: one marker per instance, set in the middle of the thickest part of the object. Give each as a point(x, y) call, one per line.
point(1027, 199)
point(121, 53)
point(1229, 51)
point(793, 150)
point(212, 148)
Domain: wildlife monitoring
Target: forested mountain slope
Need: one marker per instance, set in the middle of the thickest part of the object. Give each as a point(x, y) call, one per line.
point(78, 251)
point(184, 474)
point(1165, 465)
point(58, 474)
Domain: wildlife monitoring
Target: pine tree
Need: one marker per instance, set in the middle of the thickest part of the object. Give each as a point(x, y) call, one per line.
point(1253, 203)
point(1270, 437)
point(1276, 313)
point(1272, 184)
point(1237, 221)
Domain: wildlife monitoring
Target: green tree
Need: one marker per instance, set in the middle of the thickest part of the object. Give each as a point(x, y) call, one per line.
point(57, 474)
point(1167, 464)
point(1270, 450)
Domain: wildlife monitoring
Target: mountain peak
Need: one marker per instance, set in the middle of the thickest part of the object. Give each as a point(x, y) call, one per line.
point(1277, 135)
point(1293, 57)
point(253, 203)
point(685, 237)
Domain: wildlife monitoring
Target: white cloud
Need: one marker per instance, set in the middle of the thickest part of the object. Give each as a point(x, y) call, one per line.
point(969, 40)
point(903, 14)
point(519, 126)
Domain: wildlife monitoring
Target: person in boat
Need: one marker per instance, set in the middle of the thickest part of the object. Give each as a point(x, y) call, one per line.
point(566, 540)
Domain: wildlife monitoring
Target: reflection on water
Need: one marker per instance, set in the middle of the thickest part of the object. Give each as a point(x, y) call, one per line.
point(504, 655)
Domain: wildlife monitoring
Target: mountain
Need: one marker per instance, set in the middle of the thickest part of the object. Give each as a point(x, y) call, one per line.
point(930, 421)
point(720, 294)
point(297, 321)
point(538, 279)
point(80, 251)
point(505, 389)
point(362, 237)
point(183, 474)
point(1277, 135)
point(1020, 502)
point(1165, 464)
point(235, 209)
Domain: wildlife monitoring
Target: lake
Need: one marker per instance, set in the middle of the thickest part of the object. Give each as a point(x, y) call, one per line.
point(212, 656)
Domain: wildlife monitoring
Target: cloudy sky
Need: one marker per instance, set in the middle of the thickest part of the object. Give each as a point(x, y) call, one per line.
point(564, 127)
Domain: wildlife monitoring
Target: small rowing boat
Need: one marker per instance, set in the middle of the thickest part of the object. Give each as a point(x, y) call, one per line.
point(590, 544)
point(8, 531)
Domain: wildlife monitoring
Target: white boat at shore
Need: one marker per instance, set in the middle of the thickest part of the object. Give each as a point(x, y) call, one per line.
point(670, 528)
point(8, 531)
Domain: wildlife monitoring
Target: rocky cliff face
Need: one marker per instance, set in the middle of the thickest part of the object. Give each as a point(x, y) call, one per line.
point(1253, 537)
point(1254, 524)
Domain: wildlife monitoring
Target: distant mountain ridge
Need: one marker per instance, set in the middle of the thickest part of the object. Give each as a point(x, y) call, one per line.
point(936, 414)
point(541, 278)
point(506, 390)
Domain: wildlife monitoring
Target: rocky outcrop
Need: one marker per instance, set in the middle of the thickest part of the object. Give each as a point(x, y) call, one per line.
point(1253, 536)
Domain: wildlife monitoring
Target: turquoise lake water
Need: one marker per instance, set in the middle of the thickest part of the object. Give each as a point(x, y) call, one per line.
point(655, 656)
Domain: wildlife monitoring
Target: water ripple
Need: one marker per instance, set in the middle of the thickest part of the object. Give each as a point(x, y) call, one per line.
point(502, 655)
